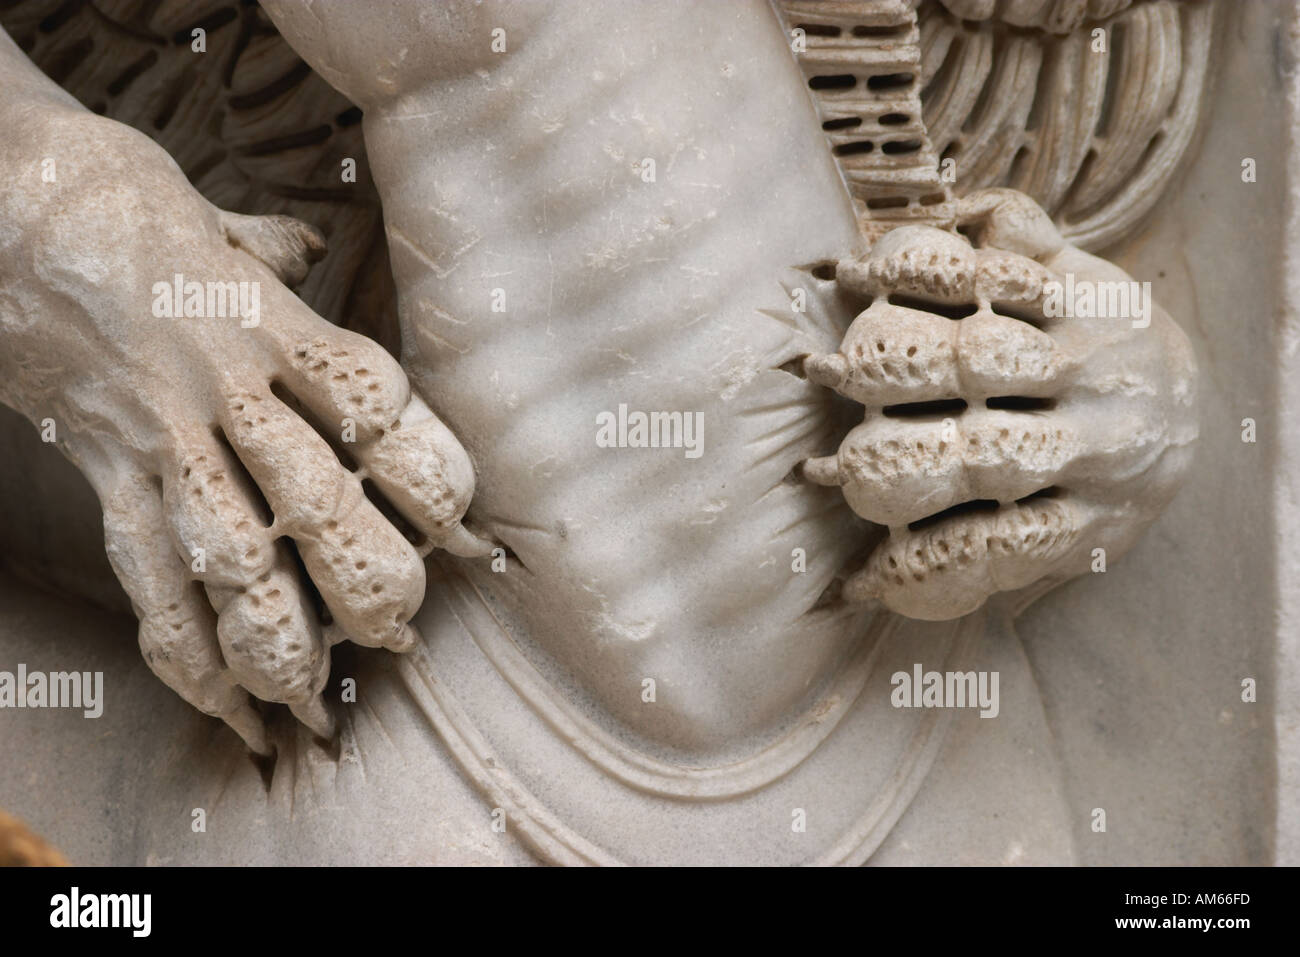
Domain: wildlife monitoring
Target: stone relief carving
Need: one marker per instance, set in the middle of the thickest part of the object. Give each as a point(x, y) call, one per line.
point(835, 261)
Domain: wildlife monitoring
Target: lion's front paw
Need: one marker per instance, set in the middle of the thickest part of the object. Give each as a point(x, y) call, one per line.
point(1029, 409)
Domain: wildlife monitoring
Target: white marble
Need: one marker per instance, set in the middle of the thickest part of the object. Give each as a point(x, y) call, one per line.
point(684, 654)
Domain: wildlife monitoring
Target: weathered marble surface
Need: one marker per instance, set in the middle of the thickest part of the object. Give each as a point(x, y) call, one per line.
point(1137, 670)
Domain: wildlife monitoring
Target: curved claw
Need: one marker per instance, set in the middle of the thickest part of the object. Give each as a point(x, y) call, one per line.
point(824, 470)
point(313, 713)
point(828, 370)
point(463, 543)
point(246, 723)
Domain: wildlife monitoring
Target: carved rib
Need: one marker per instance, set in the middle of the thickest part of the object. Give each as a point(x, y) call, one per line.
point(874, 125)
point(1093, 135)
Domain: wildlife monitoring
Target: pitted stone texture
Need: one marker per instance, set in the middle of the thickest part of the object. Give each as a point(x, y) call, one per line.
point(178, 421)
point(951, 569)
point(1092, 416)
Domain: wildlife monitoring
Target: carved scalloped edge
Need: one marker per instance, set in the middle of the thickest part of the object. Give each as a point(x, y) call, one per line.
point(1055, 16)
point(1094, 138)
